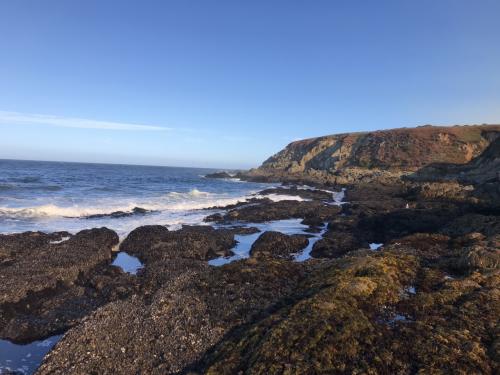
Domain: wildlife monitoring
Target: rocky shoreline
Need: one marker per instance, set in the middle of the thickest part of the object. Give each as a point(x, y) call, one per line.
point(433, 283)
point(402, 276)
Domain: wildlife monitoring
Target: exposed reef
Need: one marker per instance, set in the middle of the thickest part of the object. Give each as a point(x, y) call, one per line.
point(49, 282)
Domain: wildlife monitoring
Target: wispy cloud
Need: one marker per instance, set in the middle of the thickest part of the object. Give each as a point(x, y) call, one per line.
point(72, 122)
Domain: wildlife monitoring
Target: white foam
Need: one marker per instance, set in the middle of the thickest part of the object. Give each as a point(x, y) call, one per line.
point(174, 201)
point(172, 209)
point(63, 239)
point(282, 197)
point(192, 193)
point(337, 196)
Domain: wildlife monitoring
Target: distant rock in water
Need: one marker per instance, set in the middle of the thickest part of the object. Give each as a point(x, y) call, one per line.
point(219, 175)
point(378, 155)
point(120, 214)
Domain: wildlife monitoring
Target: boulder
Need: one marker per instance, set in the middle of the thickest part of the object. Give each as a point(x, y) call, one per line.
point(278, 245)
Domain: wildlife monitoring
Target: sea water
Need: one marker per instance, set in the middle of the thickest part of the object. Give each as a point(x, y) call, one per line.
point(57, 196)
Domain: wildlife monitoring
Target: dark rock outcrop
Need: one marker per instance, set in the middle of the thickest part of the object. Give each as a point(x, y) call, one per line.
point(154, 243)
point(370, 314)
point(120, 214)
point(337, 244)
point(175, 326)
point(169, 254)
point(48, 283)
point(278, 245)
point(278, 211)
point(218, 175)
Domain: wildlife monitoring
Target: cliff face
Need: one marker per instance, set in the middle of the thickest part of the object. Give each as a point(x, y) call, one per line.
point(482, 169)
point(386, 152)
point(486, 167)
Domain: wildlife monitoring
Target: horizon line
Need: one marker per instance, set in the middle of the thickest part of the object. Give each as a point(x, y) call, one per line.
point(122, 164)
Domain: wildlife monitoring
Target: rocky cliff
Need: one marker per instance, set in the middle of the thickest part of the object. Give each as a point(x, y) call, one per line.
point(482, 172)
point(344, 158)
point(482, 169)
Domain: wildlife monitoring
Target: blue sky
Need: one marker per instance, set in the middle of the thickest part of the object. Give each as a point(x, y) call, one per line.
point(228, 83)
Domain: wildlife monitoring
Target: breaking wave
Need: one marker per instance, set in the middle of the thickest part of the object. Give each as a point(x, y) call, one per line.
point(173, 201)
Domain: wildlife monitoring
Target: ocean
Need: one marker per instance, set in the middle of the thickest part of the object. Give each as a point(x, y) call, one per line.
point(60, 196)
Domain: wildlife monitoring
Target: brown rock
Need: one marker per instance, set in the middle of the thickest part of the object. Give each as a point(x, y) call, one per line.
point(278, 245)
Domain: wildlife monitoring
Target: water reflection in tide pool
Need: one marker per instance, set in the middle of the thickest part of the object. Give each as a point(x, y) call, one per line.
point(24, 359)
point(127, 263)
point(376, 246)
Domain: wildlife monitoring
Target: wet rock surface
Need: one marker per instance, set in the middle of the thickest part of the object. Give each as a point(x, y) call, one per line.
point(278, 245)
point(218, 175)
point(120, 214)
point(368, 322)
point(155, 243)
point(170, 330)
point(286, 209)
point(336, 244)
point(167, 255)
point(48, 283)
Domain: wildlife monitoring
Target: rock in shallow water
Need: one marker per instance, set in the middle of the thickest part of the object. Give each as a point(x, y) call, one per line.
point(281, 210)
point(337, 244)
point(154, 242)
point(278, 245)
point(219, 175)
